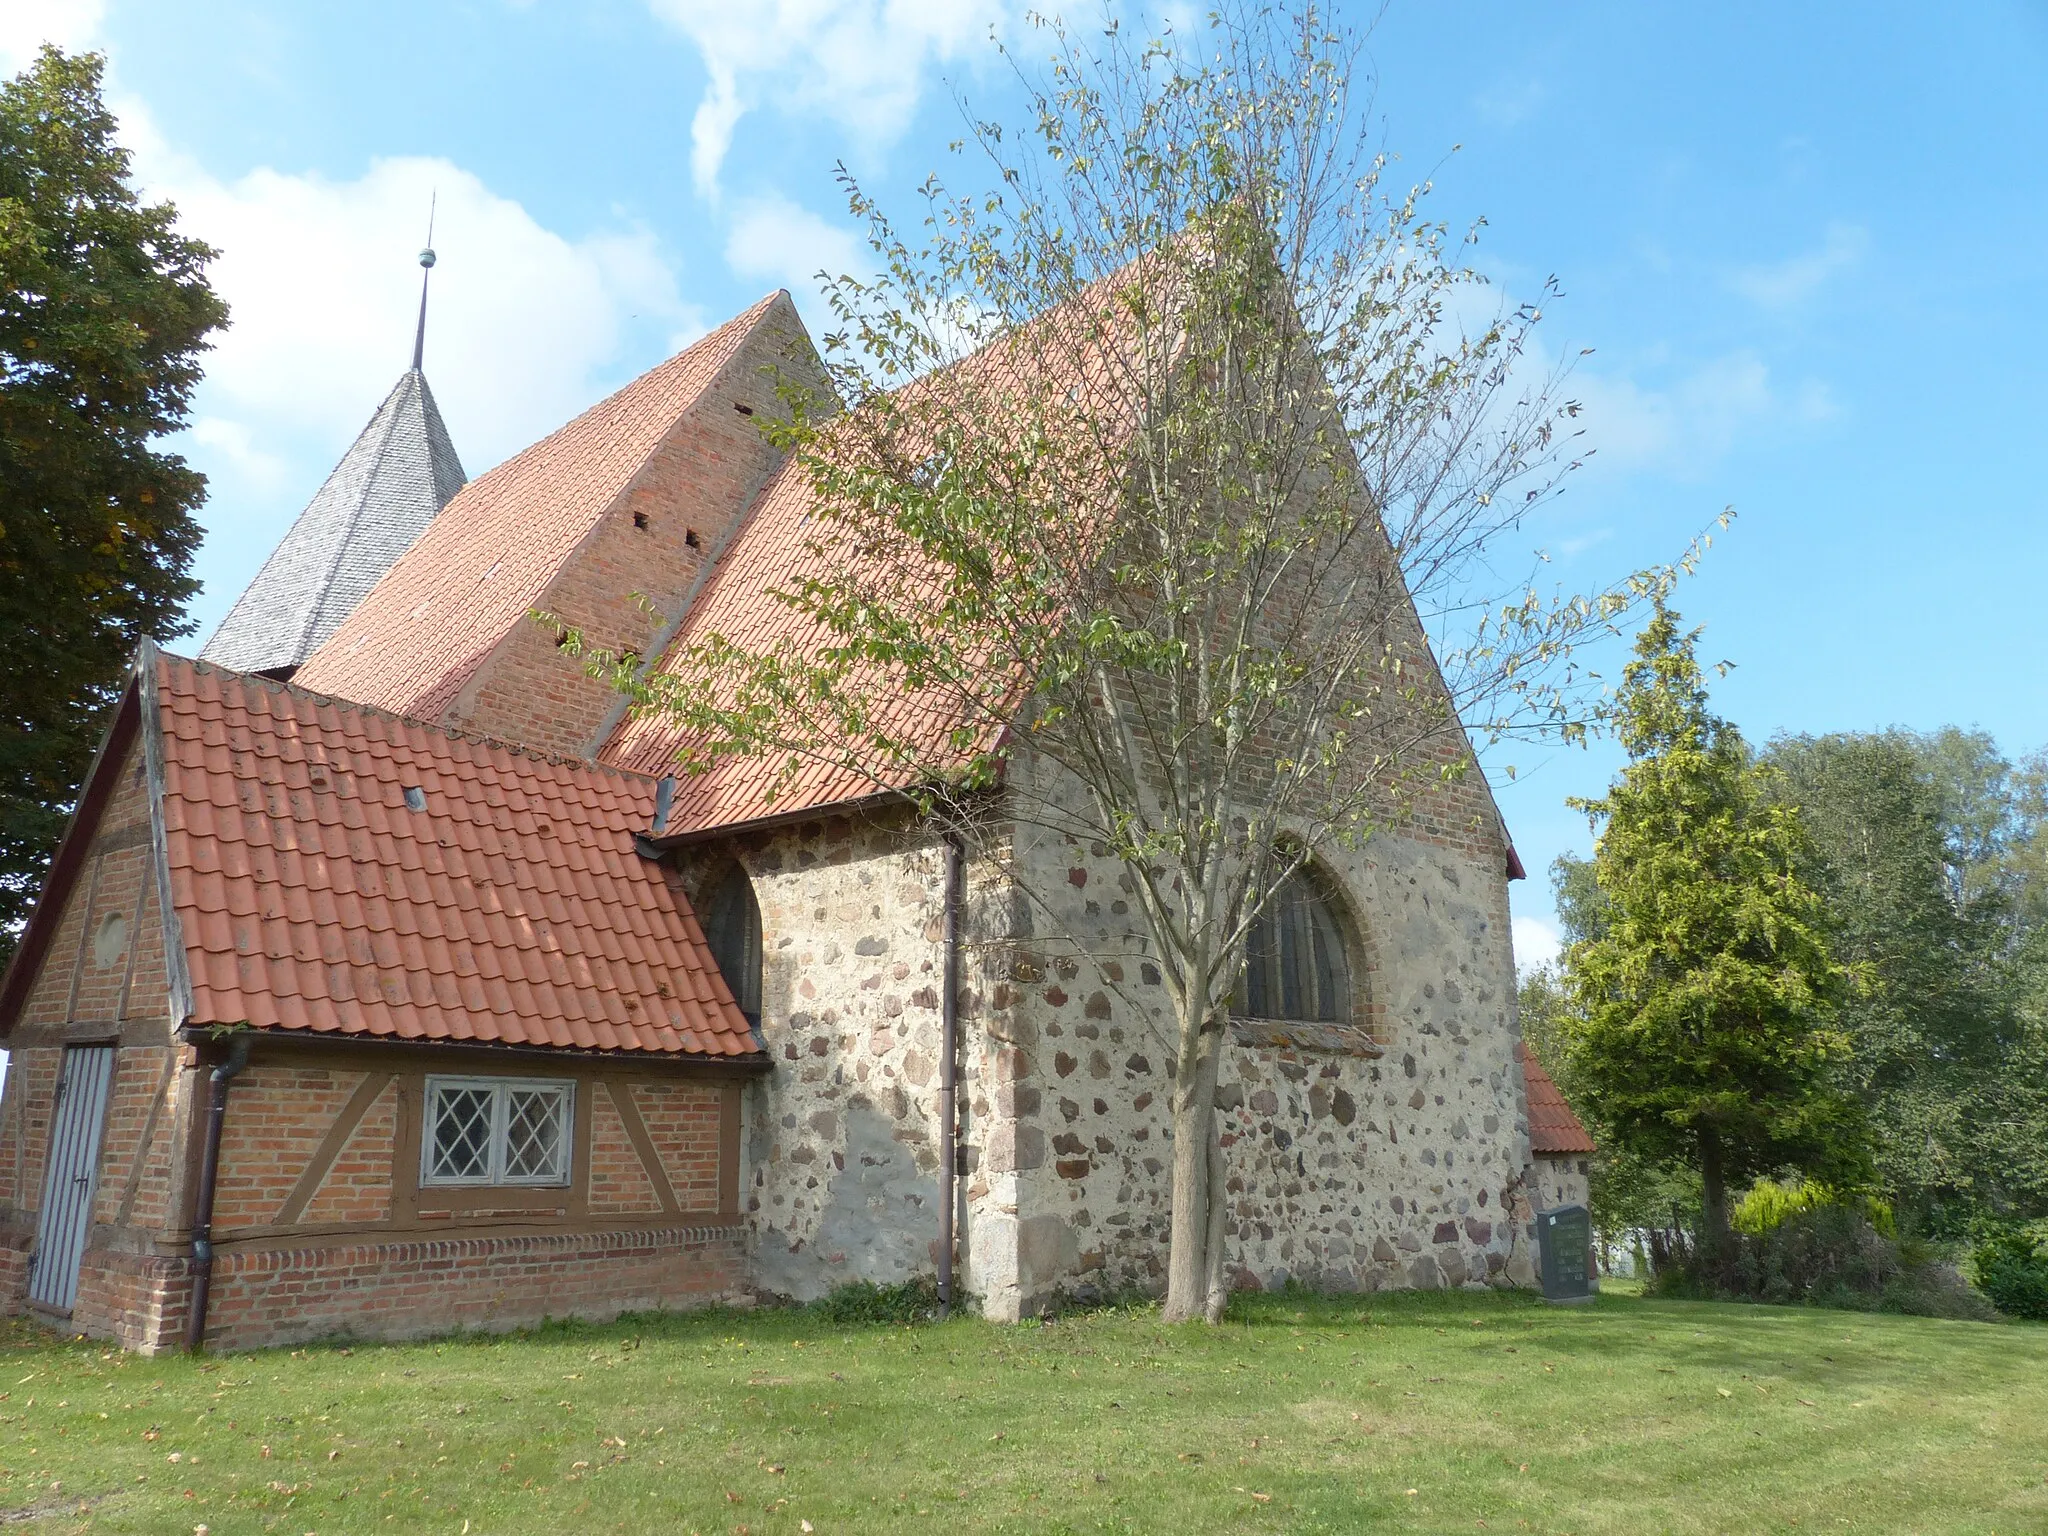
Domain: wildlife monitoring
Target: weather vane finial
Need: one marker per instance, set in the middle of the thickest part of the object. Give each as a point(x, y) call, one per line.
point(419, 340)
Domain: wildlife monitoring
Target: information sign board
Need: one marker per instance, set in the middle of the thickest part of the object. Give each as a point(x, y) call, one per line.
point(1565, 1243)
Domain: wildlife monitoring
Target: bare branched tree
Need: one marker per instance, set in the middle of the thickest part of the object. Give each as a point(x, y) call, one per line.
point(1165, 459)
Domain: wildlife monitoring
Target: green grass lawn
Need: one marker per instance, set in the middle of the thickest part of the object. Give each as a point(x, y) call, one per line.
point(1460, 1412)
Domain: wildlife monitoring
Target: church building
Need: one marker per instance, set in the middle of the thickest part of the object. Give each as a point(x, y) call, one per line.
point(390, 981)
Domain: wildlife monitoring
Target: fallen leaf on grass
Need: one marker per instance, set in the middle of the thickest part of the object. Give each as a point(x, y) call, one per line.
point(1724, 1391)
point(1807, 1402)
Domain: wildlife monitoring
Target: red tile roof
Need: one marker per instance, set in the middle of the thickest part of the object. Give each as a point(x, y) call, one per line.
point(511, 907)
point(771, 552)
point(490, 555)
point(1079, 345)
point(1554, 1131)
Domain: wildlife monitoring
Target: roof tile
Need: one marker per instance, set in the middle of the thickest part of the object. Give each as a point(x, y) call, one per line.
point(505, 950)
point(423, 630)
point(1554, 1131)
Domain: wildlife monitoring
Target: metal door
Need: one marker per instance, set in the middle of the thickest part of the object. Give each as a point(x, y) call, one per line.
point(66, 1216)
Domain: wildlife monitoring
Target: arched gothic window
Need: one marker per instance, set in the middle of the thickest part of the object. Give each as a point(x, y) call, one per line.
point(1294, 961)
point(732, 927)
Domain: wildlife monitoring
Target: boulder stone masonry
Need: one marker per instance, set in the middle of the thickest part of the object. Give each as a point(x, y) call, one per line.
point(1401, 1160)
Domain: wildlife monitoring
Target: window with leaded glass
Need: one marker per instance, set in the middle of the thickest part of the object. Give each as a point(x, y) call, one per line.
point(732, 929)
point(1294, 962)
point(496, 1130)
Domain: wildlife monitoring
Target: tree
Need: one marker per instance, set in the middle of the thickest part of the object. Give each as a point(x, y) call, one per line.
point(1919, 936)
point(1921, 846)
point(104, 309)
point(1165, 456)
point(1704, 1026)
point(1625, 1191)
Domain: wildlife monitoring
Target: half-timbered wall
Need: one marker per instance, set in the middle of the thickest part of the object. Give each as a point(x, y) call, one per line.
point(102, 981)
point(322, 1225)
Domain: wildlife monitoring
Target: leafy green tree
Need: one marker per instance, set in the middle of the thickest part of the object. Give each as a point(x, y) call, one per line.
point(1904, 843)
point(104, 309)
point(1703, 1027)
point(1165, 453)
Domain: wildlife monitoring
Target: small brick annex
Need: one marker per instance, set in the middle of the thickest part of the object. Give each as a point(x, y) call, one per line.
point(247, 880)
point(442, 866)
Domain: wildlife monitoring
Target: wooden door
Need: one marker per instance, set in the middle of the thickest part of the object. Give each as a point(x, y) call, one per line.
point(66, 1217)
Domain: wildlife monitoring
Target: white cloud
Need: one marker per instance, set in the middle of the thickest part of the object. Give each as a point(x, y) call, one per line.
point(1688, 425)
point(774, 240)
point(1791, 282)
point(861, 63)
point(1537, 943)
point(25, 25)
point(525, 328)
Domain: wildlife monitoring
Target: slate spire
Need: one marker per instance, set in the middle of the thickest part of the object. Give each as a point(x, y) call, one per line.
point(399, 473)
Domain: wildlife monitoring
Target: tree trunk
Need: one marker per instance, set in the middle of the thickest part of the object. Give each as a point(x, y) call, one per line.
point(1219, 1210)
point(1195, 1191)
point(1713, 1192)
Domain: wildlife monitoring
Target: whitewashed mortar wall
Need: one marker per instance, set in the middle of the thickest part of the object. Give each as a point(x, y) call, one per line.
point(1346, 1173)
point(840, 1175)
point(1559, 1181)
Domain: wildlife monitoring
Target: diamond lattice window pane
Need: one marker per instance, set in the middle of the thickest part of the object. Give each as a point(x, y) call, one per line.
point(533, 1134)
point(462, 1134)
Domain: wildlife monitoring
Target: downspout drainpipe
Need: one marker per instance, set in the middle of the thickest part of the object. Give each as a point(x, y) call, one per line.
point(209, 1172)
point(949, 1110)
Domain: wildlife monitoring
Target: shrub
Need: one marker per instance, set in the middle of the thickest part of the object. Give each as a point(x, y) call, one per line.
point(1827, 1255)
point(1770, 1203)
point(862, 1303)
point(2012, 1269)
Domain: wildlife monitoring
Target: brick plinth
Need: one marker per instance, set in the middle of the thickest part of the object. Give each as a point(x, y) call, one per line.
point(403, 1290)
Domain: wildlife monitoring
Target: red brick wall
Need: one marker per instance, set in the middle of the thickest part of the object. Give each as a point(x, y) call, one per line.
point(126, 1165)
point(277, 1115)
point(139, 1300)
point(618, 1180)
point(25, 1126)
point(682, 1120)
point(102, 979)
point(96, 972)
point(388, 1278)
point(358, 1187)
point(699, 482)
point(409, 1288)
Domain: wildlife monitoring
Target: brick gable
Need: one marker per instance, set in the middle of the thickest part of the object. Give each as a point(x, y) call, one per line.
point(625, 502)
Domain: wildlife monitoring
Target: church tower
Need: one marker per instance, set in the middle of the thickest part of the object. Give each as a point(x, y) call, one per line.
point(400, 472)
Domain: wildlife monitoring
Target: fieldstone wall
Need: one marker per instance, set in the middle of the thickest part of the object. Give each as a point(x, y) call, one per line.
point(1559, 1181)
point(841, 1170)
point(1347, 1169)
point(1395, 1156)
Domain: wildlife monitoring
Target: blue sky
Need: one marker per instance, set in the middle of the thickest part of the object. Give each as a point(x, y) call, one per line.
point(1808, 246)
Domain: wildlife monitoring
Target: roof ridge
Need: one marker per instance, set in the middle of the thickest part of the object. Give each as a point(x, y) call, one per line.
point(749, 314)
point(740, 328)
point(452, 733)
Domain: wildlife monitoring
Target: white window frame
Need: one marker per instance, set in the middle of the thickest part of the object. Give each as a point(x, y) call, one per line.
point(500, 1089)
